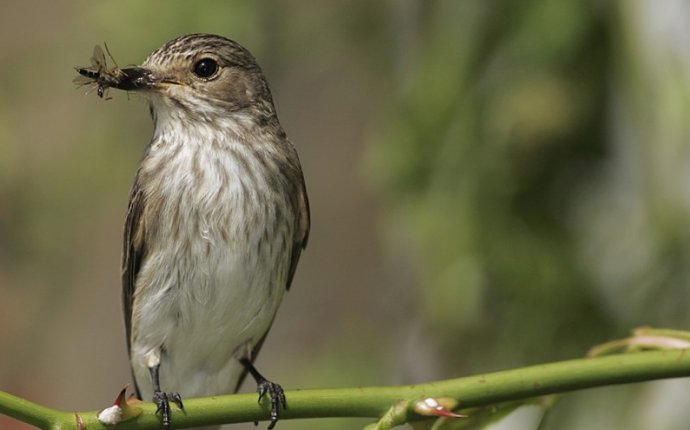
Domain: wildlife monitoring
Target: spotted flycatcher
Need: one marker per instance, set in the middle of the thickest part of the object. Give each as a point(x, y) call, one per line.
point(217, 218)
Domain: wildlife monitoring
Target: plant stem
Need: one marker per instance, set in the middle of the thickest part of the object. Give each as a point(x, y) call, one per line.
point(29, 412)
point(373, 402)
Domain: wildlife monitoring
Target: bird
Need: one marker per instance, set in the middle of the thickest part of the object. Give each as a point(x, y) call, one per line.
point(217, 219)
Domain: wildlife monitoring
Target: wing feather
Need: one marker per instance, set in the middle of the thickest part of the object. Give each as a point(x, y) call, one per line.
point(132, 254)
point(299, 243)
point(301, 232)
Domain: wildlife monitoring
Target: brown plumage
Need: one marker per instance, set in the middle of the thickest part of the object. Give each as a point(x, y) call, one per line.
point(218, 216)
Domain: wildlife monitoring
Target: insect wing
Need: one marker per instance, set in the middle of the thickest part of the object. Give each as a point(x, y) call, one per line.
point(98, 58)
point(82, 80)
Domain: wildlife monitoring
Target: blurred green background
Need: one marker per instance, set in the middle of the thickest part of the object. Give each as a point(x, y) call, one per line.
point(493, 184)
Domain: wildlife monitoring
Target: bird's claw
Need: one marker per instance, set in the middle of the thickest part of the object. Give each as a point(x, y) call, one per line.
point(277, 396)
point(162, 401)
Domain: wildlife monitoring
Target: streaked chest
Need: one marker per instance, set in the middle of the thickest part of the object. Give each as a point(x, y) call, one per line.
point(215, 213)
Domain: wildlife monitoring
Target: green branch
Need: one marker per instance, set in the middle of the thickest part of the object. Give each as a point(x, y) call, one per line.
point(374, 402)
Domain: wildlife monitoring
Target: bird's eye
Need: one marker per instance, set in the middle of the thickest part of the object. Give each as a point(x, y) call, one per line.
point(205, 68)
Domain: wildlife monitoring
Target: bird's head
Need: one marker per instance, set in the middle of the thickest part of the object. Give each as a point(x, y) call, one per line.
point(201, 76)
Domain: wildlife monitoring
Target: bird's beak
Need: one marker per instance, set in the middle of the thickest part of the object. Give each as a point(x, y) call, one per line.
point(137, 78)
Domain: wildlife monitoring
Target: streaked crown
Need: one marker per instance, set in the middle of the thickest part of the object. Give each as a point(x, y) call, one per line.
point(208, 73)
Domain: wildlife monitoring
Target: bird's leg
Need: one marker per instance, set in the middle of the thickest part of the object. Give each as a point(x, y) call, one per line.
point(162, 400)
point(264, 386)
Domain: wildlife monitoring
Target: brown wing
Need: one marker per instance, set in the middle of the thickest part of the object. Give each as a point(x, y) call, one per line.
point(302, 231)
point(299, 243)
point(132, 253)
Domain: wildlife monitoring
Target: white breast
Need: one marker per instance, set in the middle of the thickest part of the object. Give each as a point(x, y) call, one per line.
point(216, 261)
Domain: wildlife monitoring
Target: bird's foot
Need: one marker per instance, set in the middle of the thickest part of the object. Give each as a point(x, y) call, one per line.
point(162, 401)
point(277, 396)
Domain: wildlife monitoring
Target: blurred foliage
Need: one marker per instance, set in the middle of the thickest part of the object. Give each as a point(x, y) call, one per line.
point(527, 162)
point(480, 161)
point(533, 164)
